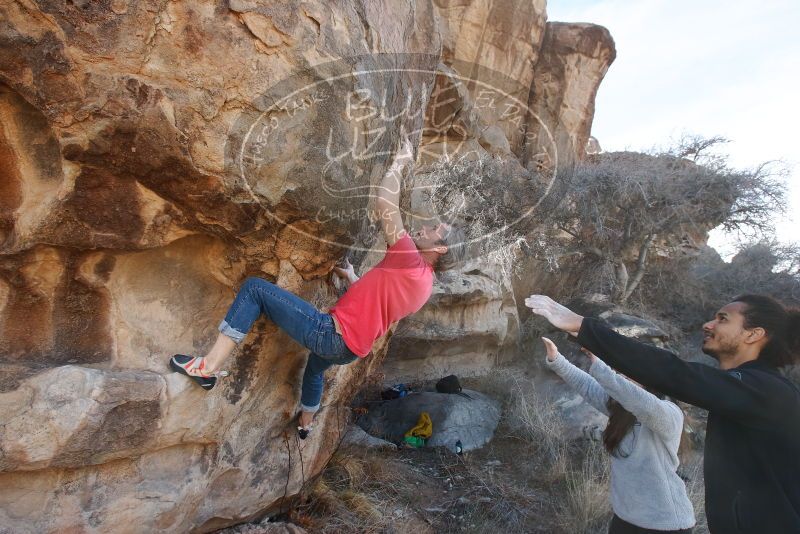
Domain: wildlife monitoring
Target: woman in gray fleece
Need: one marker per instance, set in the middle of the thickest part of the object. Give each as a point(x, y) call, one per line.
point(642, 436)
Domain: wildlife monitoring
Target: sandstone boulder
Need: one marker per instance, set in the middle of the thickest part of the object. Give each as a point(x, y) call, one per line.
point(154, 155)
point(127, 223)
point(468, 326)
point(470, 417)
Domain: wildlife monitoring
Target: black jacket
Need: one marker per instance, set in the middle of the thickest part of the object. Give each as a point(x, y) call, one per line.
point(752, 452)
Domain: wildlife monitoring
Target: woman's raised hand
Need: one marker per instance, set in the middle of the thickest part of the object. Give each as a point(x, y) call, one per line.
point(552, 350)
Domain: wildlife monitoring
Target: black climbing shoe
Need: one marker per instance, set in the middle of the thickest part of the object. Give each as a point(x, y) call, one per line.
point(193, 367)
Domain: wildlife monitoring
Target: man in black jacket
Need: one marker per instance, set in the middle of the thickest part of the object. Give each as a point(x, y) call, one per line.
point(752, 452)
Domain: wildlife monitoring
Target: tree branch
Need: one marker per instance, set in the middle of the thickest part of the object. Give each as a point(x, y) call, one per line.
point(641, 266)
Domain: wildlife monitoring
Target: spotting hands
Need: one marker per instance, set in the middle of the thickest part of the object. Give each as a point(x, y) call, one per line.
point(559, 316)
point(552, 350)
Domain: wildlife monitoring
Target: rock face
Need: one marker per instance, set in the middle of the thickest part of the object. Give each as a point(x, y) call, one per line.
point(531, 112)
point(467, 327)
point(154, 155)
point(574, 59)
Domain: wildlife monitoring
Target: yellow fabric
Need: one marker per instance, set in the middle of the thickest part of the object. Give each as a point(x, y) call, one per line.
point(424, 428)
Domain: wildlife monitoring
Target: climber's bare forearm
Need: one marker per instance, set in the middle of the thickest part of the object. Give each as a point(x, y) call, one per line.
point(390, 219)
point(387, 205)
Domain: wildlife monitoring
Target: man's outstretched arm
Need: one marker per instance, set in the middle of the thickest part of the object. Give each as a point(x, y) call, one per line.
point(751, 398)
point(387, 205)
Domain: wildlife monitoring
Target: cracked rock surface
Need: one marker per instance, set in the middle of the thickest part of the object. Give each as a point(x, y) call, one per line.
point(127, 224)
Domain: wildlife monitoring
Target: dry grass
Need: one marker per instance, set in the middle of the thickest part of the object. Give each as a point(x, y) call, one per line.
point(531, 418)
point(693, 471)
point(528, 479)
point(580, 468)
point(586, 507)
point(345, 497)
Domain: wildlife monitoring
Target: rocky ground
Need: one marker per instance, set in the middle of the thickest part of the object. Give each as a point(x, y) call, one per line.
point(532, 477)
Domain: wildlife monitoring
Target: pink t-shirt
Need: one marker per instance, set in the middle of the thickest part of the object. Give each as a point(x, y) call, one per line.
point(398, 286)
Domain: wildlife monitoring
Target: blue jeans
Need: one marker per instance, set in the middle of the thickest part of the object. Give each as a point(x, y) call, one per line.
point(302, 321)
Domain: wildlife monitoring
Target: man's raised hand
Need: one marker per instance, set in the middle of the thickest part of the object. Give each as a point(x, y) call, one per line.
point(559, 316)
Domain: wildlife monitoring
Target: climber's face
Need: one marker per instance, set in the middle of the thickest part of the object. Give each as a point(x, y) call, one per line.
point(430, 237)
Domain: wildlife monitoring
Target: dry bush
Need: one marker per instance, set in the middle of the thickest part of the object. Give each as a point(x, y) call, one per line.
point(687, 292)
point(346, 471)
point(695, 488)
point(537, 421)
point(346, 497)
point(623, 206)
point(586, 508)
point(494, 200)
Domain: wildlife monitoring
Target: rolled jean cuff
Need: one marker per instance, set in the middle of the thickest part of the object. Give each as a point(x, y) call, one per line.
point(231, 332)
point(309, 408)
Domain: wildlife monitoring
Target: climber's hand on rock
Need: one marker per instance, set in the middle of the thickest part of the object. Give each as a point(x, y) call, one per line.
point(552, 350)
point(346, 270)
point(559, 316)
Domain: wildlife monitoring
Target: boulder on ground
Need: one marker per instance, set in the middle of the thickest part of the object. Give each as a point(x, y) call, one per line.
point(470, 417)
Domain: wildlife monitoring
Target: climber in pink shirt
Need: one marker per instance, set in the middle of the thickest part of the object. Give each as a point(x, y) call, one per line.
point(396, 287)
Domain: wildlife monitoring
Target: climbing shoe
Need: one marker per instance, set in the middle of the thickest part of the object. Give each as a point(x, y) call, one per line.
point(303, 431)
point(193, 367)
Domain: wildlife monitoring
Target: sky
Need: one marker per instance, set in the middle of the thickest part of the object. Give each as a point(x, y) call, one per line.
point(706, 67)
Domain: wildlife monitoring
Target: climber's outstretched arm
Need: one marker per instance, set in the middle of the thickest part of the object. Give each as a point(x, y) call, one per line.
point(387, 205)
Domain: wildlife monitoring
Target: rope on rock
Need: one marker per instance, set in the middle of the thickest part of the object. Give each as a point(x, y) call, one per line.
point(302, 466)
point(288, 472)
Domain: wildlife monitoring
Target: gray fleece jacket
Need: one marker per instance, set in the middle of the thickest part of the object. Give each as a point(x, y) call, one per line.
point(646, 490)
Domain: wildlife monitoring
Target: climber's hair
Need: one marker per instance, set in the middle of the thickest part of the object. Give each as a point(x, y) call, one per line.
point(456, 247)
point(781, 324)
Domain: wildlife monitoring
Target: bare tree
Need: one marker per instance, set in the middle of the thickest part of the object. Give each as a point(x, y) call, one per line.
point(687, 291)
point(766, 266)
point(622, 207)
